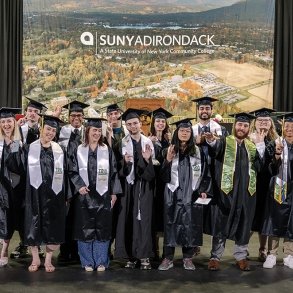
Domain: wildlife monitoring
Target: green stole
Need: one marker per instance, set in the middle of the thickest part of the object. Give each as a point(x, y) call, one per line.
point(229, 165)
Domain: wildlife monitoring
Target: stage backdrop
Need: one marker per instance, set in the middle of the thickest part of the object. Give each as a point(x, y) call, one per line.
point(104, 51)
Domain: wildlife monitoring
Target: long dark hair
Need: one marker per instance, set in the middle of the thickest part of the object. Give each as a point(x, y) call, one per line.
point(86, 137)
point(164, 132)
point(190, 145)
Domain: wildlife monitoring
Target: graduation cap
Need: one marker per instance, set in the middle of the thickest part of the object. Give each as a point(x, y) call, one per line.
point(288, 117)
point(132, 113)
point(75, 106)
point(6, 112)
point(113, 107)
point(35, 104)
point(243, 117)
point(95, 122)
point(161, 113)
point(263, 112)
point(204, 101)
point(52, 121)
point(184, 123)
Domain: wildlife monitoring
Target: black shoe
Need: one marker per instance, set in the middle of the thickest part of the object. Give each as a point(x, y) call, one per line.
point(145, 264)
point(20, 251)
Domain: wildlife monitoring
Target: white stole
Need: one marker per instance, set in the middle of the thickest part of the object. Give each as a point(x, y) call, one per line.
point(281, 178)
point(24, 130)
point(195, 164)
point(103, 167)
point(1, 151)
point(34, 166)
point(214, 128)
point(127, 147)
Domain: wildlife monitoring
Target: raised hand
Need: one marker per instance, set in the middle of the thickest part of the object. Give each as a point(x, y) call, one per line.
point(147, 153)
point(260, 136)
point(171, 153)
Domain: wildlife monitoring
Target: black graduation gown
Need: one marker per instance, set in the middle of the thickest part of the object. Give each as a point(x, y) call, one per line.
point(158, 215)
point(183, 218)
point(11, 193)
point(93, 213)
point(262, 188)
point(44, 210)
point(133, 236)
point(279, 217)
point(231, 216)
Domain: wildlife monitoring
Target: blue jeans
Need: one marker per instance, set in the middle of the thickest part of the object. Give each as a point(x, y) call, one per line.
point(93, 253)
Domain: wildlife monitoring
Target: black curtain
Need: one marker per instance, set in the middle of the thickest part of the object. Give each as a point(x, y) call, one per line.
point(283, 59)
point(10, 52)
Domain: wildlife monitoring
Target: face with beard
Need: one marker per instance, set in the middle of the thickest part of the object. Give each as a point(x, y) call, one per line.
point(241, 129)
point(205, 112)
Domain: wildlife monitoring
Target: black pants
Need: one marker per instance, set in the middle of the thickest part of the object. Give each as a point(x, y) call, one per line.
point(186, 251)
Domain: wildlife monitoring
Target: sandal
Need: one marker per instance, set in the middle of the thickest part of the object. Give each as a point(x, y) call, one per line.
point(3, 261)
point(33, 267)
point(49, 268)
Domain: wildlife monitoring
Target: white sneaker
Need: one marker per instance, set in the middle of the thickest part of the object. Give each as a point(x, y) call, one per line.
point(270, 262)
point(288, 261)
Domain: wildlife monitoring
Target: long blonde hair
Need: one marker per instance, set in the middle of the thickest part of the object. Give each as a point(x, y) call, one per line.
point(272, 133)
point(15, 133)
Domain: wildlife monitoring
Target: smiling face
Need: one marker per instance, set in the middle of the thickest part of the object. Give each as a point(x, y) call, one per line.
point(94, 134)
point(48, 133)
point(133, 125)
point(7, 126)
point(159, 124)
point(288, 130)
point(32, 114)
point(76, 119)
point(113, 118)
point(263, 123)
point(205, 112)
point(241, 129)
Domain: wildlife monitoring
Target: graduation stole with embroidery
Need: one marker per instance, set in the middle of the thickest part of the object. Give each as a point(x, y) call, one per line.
point(103, 167)
point(195, 164)
point(229, 165)
point(280, 188)
point(34, 166)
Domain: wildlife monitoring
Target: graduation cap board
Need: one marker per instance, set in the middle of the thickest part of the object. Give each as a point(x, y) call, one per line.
point(161, 113)
point(287, 117)
point(132, 113)
point(262, 112)
point(52, 121)
point(113, 107)
point(6, 112)
point(95, 122)
point(243, 117)
point(35, 104)
point(75, 106)
point(204, 101)
point(184, 123)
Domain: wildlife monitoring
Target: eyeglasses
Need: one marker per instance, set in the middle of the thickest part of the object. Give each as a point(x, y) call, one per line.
point(76, 115)
point(263, 120)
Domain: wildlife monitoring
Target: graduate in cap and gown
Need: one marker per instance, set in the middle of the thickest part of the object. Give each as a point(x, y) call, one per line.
point(46, 194)
point(279, 210)
point(134, 229)
point(11, 184)
point(237, 161)
point(93, 172)
point(160, 135)
point(30, 128)
point(71, 136)
point(185, 173)
point(115, 132)
point(265, 123)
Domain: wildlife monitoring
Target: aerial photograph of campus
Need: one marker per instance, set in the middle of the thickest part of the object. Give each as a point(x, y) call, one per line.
point(149, 53)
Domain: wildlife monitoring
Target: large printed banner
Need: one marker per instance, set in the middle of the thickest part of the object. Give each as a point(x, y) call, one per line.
point(149, 53)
